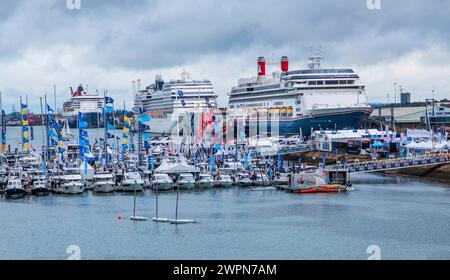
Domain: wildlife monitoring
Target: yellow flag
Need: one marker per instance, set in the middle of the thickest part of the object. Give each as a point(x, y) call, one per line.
point(124, 141)
point(25, 123)
point(26, 146)
point(24, 112)
point(126, 119)
point(26, 134)
point(126, 130)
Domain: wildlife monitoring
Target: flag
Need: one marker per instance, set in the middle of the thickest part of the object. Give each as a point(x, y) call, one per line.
point(50, 110)
point(53, 133)
point(110, 136)
point(183, 103)
point(54, 143)
point(81, 116)
point(180, 93)
point(245, 161)
point(109, 109)
point(324, 159)
point(127, 120)
point(44, 168)
point(145, 118)
point(147, 137)
point(109, 100)
point(126, 130)
point(110, 127)
point(212, 162)
point(84, 133)
point(83, 124)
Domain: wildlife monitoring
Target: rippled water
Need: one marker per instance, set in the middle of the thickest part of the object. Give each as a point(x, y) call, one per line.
point(406, 218)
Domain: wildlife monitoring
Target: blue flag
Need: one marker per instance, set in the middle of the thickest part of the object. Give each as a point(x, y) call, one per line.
point(212, 162)
point(81, 116)
point(324, 159)
point(109, 100)
point(83, 124)
point(84, 133)
point(145, 118)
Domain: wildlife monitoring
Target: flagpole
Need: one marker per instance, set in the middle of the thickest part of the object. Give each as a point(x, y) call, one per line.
point(2, 120)
point(21, 116)
point(105, 124)
point(47, 140)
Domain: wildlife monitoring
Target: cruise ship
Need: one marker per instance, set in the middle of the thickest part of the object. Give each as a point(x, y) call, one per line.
point(81, 101)
point(299, 101)
point(164, 101)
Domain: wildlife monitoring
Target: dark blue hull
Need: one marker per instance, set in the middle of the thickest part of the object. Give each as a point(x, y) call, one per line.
point(15, 193)
point(347, 120)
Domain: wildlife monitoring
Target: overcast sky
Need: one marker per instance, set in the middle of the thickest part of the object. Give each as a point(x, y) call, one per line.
point(108, 43)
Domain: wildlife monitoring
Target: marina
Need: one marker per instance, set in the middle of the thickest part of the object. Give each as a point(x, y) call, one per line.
point(236, 223)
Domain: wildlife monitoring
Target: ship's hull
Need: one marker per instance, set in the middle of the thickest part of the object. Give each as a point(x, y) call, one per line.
point(305, 124)
point(344, 119)
point(162, 126)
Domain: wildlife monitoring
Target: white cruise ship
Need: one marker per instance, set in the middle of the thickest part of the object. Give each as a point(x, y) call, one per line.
point(163, 101)
point(298, 101)
point(81, 101)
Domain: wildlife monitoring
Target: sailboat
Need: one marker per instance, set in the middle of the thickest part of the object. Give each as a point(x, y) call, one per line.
point(66, 132)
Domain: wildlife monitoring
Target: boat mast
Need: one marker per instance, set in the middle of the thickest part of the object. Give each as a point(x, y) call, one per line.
point(46, 129)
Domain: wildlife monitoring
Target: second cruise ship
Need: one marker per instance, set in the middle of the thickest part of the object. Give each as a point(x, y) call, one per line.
point(164, 100)
point(299, 101)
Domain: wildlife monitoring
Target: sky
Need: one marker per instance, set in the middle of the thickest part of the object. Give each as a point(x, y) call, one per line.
point(106, 44)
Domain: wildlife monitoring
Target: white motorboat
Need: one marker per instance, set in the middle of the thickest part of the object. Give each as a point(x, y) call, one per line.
point(71, 182)
point(186, 181)
point(260, 180)
point(205, 180)
point(39, 187)
point(132, 182)
point(39, 184)
point(162, 182)
point(243, 180)
point(104, 183)
point(224, 181)
point(14, 189)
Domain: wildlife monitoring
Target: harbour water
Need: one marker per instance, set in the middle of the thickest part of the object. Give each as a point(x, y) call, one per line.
point(407, 218)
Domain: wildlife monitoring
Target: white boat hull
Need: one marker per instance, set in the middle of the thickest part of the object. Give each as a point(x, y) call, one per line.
point(187, 186)
point(133, 187)
point(205, 185)
point(104, 188)
point(162, 186)
point(72, 189)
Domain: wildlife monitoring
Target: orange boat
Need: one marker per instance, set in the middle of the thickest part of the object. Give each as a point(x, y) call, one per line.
point(320, 189)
